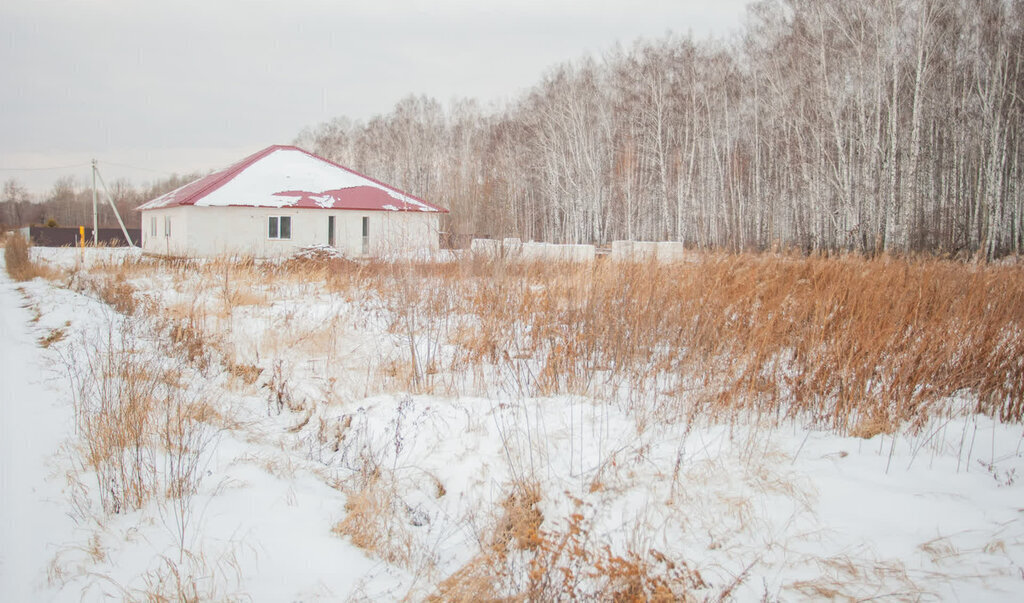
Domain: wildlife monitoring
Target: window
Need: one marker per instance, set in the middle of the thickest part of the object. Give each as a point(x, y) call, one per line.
point(279, 227)
point(167, 226)
point(152, 226)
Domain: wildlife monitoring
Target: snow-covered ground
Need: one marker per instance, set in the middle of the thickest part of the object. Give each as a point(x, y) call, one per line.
point(323, 479)
point(34, 421)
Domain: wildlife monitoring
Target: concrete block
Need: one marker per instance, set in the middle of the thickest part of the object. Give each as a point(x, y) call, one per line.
point(644, 251)
point(584, 254)
point(622, 251)
point(511, 248)
point(486, 248)
point(669, 252)
point(532, 251)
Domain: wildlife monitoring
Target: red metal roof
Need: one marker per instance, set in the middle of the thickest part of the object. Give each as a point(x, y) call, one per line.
point(381, 197)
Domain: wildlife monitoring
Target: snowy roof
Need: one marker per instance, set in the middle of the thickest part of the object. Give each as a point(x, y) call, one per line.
point(287, 176)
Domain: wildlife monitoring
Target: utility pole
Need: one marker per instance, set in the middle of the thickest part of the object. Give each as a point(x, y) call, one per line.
point(95, 218)
point(110, 200)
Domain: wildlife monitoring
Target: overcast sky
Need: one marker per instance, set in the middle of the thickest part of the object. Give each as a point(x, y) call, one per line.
point(186, 86)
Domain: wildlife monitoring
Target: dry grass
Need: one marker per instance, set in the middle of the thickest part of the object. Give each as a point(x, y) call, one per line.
point(19, 263)
point(855, 344)
point(377, 521)
point(565, 564)
point(117, 293)
point(859, 345)
point(53, 337)
point(519, 526)
point(862, 346)
point(138, 434)
point(247, 373)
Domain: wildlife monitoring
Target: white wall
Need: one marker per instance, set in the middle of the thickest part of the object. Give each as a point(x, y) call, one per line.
point(211, 231)
point(160, 243)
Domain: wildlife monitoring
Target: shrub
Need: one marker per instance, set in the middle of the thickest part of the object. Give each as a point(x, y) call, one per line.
point(19, 264)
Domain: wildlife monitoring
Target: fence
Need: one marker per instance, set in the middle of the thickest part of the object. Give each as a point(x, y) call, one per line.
point(622, 251)
point(44, 236)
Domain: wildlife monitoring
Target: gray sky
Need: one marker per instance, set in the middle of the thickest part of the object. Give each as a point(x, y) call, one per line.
point(185, 86)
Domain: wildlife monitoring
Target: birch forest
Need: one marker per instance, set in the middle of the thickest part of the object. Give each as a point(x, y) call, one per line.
point(863, 125)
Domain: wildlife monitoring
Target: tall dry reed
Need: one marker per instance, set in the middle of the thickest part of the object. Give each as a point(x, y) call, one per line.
point(857, 344)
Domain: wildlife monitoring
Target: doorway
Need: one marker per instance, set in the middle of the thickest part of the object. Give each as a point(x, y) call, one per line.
point(366, 235)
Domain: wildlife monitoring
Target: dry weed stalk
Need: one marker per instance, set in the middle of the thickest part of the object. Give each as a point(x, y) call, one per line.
point(138, 432)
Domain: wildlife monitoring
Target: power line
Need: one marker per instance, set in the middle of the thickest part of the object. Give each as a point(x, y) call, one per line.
point(81, 165)
point(135, 167)
point(85, 165)
point(39, 169)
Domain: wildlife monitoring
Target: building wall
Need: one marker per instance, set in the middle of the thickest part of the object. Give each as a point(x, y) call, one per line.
point(161, 243)
point(211, 231)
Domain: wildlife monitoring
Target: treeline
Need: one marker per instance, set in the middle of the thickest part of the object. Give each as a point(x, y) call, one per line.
point(69, 202)
point(867, 125)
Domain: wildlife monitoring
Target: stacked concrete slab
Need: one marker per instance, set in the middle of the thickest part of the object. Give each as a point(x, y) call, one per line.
point(511, 248)
point(646, 251)
point(552, 252)
point(622, 251)
point(664, 252)
point(580, 253)
point(669, 252)
point(489, 249)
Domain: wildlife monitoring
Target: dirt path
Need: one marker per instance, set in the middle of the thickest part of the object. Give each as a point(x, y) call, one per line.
point(33, 423)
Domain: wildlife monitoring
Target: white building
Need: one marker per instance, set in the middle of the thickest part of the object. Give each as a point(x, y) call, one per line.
point(282, 199)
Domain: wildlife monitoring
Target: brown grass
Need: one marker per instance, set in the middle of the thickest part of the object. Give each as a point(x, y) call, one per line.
point(862, 346)
point(138, 433)
point(520, 523)
point(374, 521)
point(855, 344)
point(19, 263)
point(565, 564)
point(859, 345)
point(117, 293)
point(54, 336)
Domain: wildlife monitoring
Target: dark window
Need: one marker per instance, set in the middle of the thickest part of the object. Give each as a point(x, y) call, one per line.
point(279, 227)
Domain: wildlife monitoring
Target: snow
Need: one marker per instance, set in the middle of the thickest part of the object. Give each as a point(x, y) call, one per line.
point(800, 513)
point(34, 423)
